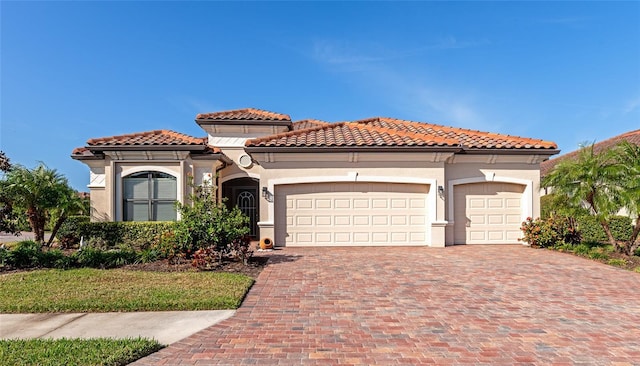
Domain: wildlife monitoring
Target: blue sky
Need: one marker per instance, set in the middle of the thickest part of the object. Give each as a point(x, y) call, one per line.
point(562, 71)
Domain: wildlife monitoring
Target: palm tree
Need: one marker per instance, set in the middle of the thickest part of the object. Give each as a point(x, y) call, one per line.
point(38, 191)
point(590, 181)
point(627, 156)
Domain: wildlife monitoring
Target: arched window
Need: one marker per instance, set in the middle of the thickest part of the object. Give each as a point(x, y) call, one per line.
point(149, 196)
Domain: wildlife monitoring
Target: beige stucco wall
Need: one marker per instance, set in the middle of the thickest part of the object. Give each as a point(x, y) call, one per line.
point(278, 169)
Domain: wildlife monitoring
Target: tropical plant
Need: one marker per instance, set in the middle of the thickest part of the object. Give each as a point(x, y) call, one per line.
point(627, 157)
point(38, 191)
point(590, 181)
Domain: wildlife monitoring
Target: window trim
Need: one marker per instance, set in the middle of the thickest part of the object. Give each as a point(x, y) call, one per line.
point(150, 201)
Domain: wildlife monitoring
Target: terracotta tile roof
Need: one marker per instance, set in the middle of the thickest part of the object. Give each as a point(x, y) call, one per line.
point(307, 123)
point(157, 137)
point(348, 134)
point(631, 136)
point(247, 114)
point(149, 139)
point(467, 138)
point(394, 132)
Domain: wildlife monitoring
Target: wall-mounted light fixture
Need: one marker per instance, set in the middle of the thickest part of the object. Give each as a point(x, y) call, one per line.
point(441, 191)
point(266, 194)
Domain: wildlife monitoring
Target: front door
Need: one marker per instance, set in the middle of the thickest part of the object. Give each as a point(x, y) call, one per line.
point(246, 199)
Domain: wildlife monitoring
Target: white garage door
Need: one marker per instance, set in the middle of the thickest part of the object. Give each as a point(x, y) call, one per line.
point(487, 213)
point(351, 214)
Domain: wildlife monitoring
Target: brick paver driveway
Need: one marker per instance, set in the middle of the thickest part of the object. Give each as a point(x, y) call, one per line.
point(410, 306)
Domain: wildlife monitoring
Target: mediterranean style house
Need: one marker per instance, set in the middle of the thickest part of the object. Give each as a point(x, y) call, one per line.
point(376, 181)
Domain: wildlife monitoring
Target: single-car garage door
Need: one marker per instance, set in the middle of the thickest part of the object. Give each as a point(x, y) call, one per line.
point(487, 213)
point(358, 214)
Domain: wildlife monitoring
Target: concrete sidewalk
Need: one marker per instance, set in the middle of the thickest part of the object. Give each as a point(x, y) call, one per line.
point(164, 326)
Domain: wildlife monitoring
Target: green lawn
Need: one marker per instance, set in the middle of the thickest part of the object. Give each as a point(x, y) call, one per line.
point(94, 290)
point(85, 352)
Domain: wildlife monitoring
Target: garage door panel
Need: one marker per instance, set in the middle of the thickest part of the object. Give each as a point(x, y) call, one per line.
point(323, 203)
point(487, 213)
point(342, 237)
point(304, 220)
point(365, 214)
point(323, 220)
point(361, 220)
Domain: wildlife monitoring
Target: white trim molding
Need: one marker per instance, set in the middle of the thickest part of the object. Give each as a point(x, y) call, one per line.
point(126, 171)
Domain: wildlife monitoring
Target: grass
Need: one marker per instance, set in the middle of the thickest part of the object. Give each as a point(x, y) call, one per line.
point(94, 290)
point(97, 351)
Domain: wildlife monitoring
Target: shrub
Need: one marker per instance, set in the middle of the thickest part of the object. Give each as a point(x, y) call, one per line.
point(618, 262)
point(637, 269)
point(241, 249)
point(70, 231)
point(25, 254)
point(5, 257)
point(149, 255)
point(592, 230)
point(549, 232)
point(206, 222)
point(594, 254)
point(582, 249)
point(96, 258)
point(139, 235)
point(53, 258)
point(206, 258)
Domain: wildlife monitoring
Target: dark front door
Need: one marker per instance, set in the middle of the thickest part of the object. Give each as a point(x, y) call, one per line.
point(246, 199)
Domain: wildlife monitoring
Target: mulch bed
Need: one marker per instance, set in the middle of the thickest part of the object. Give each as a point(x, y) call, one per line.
point(252, 269)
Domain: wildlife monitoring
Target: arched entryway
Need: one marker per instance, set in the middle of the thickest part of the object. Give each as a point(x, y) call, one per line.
point(243, 193)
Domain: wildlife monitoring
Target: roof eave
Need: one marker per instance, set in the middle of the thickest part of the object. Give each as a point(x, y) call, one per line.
point(213, 156)
point(330, 149)
point(88, 157)
point(147, 148)
point(511, 151)
point(250, 122)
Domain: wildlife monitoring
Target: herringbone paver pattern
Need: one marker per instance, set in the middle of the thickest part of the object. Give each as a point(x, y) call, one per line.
point(466, 305)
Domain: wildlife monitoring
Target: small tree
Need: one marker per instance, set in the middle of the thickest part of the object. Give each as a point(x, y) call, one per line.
point(602, 183)
point(207, 223)
point(38, 191)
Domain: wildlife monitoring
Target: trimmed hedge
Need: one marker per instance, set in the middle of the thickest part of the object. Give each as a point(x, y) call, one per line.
point(592, 231)
point(138, 235)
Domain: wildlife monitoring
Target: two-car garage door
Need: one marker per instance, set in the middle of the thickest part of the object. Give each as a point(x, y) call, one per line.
point(365, 214)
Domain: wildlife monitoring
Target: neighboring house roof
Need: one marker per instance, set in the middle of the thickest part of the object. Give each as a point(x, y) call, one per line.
point(387, 132)
point(307, 123)
point(631, 136)
point(246, 114)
